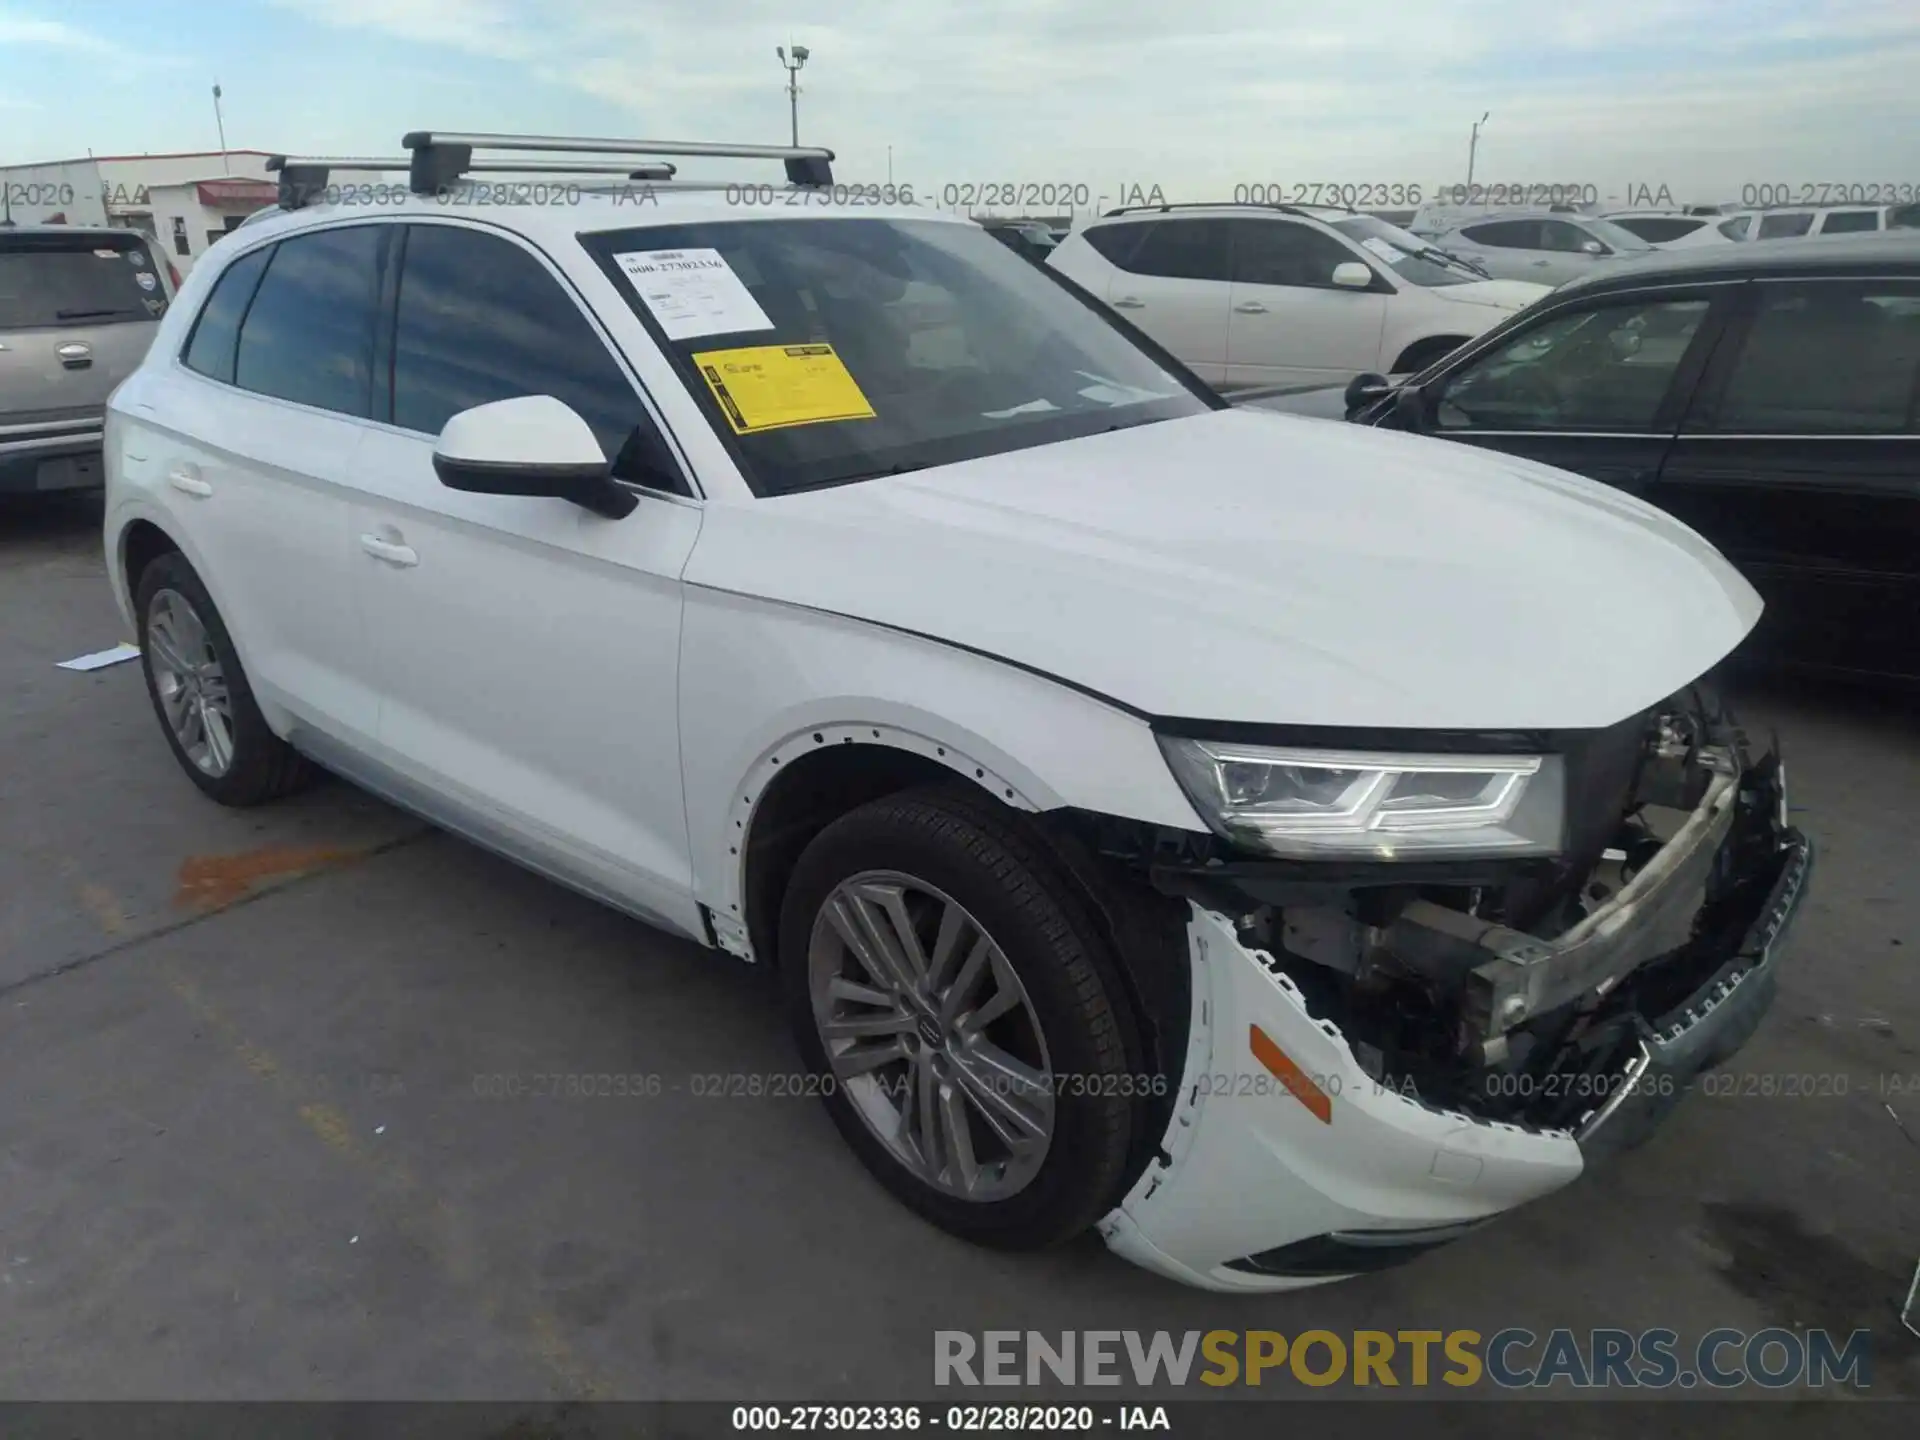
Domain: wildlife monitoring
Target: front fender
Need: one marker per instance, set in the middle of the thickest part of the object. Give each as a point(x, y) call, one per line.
point(762, 683)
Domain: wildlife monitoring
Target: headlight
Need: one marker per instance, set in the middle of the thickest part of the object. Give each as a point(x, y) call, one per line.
point(1322, 804)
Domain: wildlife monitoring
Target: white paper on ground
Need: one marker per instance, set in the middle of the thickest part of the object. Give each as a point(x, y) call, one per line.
point(692, 292)
point(100, 659)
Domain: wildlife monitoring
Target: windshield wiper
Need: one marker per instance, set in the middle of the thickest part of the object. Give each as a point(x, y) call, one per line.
point(1447, 257)
point(87, 314)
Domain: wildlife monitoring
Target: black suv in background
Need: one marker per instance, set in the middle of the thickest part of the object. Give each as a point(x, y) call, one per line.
point(1766, 394)
point(78, 308)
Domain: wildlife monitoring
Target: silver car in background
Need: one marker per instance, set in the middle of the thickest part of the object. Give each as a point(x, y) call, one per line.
point(1547, 247)
point(78, 308)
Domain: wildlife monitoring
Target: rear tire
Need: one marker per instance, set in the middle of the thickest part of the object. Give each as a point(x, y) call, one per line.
point(1037, 1039)
point(200, 692)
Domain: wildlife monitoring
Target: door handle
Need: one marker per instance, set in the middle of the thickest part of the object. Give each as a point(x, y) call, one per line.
point(1250, 307)
point(182, 478)
point(390, 551)
point(1128, 302)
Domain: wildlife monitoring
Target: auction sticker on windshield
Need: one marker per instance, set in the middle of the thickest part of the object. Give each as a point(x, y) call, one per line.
point(1385, 249)
point(768, 387)
point(692, 292)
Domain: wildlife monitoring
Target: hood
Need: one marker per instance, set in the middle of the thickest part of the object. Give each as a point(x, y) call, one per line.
point(1247, 565)
point(1504, 294)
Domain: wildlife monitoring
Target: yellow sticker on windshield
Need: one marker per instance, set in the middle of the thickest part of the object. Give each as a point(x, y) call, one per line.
point(768, 387)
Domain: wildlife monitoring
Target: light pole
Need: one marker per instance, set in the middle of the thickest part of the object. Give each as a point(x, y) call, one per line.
point(221, 125)
point(1473, 144)
point(792, 67)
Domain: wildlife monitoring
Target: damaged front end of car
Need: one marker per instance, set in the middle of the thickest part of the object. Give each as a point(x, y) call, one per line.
point(1509, 953)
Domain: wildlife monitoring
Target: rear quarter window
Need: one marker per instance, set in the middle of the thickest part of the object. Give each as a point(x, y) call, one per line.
point(59, 281)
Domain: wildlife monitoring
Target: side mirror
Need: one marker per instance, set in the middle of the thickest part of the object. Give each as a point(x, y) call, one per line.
point(530, 445)
point(1592, 247)
point(1364, 390)
point(1412, 410)
point(1352, 275)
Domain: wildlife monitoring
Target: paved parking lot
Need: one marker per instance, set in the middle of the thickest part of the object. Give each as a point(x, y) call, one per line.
point(244, 1149)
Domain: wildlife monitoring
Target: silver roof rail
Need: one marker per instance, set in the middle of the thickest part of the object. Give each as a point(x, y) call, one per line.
point(441, 157)
point(304, 178)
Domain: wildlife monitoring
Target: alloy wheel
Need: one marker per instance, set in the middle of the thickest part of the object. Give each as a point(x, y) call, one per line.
point(191, 684)
point(931, 1035)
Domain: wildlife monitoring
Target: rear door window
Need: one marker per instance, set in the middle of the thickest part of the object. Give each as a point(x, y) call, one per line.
point(308, 335)
point(60, 281)
point(1827, 357)
point(1183, 250)
point(1848, 222)
point(1506, 234)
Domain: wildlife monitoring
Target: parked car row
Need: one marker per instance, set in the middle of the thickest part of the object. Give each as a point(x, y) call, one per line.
point(1768, 395)
point(1669, 230)
point(78, 307)
point(1183, 821)
point(1261, 295)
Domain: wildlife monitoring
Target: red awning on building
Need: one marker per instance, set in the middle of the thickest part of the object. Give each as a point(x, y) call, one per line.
point(238, 192)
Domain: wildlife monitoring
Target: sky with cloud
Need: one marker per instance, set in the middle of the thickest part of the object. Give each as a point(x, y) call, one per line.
point(1702, 95)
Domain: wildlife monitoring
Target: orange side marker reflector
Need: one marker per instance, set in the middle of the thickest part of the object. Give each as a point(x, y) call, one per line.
point(1297, 1081)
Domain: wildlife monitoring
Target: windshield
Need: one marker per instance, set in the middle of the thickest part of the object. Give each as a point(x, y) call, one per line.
point(1616, 236)
point(1414, 260)
point(49, 281)
point(831, 350)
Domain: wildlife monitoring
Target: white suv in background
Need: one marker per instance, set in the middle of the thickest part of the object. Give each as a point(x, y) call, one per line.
point(1254, 296)
point(1280, 846)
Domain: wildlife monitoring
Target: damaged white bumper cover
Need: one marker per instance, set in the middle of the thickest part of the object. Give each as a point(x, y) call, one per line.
point(1277, 1176)
point(1251, 1166)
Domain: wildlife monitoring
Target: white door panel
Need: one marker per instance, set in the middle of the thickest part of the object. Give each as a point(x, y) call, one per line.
point(528, 653)
point(261, 492)
point(1284, 334)
point(1187, 317)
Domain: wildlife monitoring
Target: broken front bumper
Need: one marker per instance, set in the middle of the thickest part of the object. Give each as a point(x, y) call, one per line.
point(1276, 1174)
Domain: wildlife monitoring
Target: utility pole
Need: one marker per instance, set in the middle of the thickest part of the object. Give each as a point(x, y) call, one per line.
point(221, 125)
point(792, 67)
point(1473, 144)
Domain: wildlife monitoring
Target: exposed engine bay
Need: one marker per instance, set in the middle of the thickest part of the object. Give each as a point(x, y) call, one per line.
point(1520, 990)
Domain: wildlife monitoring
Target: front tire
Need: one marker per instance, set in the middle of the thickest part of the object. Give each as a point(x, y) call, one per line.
point(964, 1017)
point(200, 692)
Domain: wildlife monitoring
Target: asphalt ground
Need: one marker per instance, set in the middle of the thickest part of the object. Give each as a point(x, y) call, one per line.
point(252, 1144)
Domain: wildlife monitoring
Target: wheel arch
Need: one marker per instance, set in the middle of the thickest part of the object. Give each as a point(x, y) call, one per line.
point(138, 534)
point(1417, 354)
point(811, 777)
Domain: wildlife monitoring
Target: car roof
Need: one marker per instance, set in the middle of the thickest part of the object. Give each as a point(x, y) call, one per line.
point(110, 232)
point(1867, 252)
point(587, 208)
point(1493, 216)
point(1202, 209)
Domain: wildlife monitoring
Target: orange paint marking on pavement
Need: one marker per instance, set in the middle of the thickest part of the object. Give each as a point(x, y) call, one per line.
point(212, 882)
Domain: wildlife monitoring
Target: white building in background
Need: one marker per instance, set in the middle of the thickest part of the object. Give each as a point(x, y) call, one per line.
point(185, 201)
